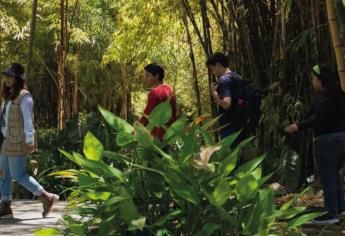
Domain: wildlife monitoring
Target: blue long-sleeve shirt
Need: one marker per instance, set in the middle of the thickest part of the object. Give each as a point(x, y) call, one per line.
point(27, 111)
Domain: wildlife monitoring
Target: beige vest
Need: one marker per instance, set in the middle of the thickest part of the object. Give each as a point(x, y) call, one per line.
point(15, 143)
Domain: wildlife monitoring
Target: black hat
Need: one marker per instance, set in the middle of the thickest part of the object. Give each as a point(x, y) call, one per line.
point(14, 70)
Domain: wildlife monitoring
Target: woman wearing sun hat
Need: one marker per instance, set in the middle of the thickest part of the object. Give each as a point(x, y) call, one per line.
point(327, 118)
point(16, 118)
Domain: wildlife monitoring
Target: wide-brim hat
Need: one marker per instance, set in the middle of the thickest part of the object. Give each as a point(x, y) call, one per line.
point(14, 70)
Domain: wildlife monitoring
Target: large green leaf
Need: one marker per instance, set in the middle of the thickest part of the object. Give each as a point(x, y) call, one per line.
point(138, 224)
point(267, 201)
point(115, 122)
point(93, 148)
point(160, 115)
point(128, 209)
point(229, 163)
point(291, 212)
point(189, 146)
point(246, 188)
point(176, 128)
point(47, 232)
point(252, 220)
point(116, 156)
point(104, 196)
point(124, 139)
point(142, 135)
point(227, 142)
point(162, 220)
point(303, 219)
point(182, 188)
point(208, 229)
point(249, 166)
point(97, 167)
point(288, 204)
point(221, 193)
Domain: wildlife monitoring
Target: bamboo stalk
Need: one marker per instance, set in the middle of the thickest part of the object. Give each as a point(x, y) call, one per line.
point(337, 43)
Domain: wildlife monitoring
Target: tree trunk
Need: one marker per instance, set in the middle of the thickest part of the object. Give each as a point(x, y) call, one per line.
point(76, 84)
point(61, 69)
point(124, 91)
point(337, 43)
point(208, 52)
point(31, 40)
point(192, 59)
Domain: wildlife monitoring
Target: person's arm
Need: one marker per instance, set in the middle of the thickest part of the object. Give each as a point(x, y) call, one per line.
point(27, 111)
point(305, 123)
point(222, 95)
point(152, 101)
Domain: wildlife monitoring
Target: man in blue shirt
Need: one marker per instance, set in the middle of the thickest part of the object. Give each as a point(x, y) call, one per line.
point(226, 95)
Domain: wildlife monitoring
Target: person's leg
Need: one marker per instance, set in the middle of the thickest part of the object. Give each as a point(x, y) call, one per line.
point(5, 188)
point(6, 180)
point(328, 170)
point(227, 131)
point(18, 173)
point(338, 145)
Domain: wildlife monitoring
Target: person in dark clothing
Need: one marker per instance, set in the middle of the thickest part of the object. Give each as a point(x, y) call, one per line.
point(225, 94)
point(327, 118)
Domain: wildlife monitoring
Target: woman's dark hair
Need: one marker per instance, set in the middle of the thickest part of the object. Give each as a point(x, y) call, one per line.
point(329, 79)
point(155, 69)
point(218, 57)
point(12, 93)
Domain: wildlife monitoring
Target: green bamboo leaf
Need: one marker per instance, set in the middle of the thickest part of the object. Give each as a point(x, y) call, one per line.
point(93, 148)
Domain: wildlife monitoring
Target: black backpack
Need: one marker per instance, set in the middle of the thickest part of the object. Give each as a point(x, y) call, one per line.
point(247, 104)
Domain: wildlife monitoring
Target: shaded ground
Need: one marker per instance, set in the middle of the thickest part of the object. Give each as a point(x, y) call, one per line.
point(28, 217)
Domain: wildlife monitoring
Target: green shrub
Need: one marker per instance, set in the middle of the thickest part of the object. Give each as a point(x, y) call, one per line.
point(185, 185)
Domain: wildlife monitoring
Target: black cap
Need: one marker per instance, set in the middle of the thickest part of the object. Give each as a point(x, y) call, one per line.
point(14, 70)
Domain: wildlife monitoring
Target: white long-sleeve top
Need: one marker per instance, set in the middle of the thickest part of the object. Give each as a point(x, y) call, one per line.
point(27, 111)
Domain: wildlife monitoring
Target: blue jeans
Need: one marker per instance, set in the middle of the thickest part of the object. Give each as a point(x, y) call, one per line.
point(227, 131)
point(330, 158)
point(13, 167)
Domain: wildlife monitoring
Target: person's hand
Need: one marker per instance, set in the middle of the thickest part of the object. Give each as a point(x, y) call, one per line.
point(30, 147)
point(291, 129)
point(214, 90)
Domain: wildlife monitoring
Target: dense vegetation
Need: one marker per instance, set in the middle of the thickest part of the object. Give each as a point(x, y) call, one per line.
point(80, 54)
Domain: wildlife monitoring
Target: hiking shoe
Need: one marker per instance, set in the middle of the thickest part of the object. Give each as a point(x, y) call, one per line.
point(5, 210)
point(341, 215)
point(48, 200)
point(324, 220)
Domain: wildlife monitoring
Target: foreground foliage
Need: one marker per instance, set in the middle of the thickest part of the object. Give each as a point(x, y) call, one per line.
point(186, 184)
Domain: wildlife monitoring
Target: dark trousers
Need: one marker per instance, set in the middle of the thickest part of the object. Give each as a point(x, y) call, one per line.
point(330, 157)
